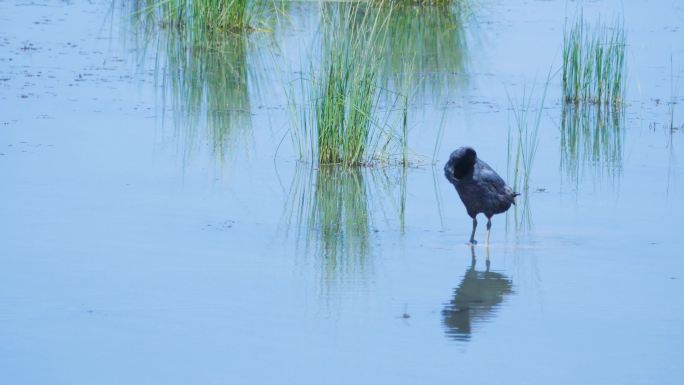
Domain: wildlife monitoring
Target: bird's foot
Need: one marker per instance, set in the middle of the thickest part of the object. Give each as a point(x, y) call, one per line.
point(472, 242)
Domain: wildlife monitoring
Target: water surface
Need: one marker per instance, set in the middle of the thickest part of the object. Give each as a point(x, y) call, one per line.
point(156, 226)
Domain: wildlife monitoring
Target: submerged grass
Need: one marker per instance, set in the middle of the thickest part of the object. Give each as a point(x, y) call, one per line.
point(593, 63)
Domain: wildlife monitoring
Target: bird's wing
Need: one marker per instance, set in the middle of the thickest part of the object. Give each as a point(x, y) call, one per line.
point(492, 180)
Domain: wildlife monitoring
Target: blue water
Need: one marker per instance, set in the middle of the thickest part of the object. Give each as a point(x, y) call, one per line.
point(131, 253)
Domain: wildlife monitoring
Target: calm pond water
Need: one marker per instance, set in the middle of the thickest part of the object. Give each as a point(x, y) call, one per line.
point(157, 228)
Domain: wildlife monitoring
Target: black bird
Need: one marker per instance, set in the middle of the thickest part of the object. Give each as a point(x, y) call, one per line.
point(481, 189)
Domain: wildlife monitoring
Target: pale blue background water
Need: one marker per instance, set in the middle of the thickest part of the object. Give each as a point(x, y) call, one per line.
point(123, 261)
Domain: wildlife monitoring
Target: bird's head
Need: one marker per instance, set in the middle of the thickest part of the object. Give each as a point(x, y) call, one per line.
point(463, 160)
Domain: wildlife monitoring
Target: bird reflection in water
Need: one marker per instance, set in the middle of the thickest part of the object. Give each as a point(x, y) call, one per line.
point(475, 301)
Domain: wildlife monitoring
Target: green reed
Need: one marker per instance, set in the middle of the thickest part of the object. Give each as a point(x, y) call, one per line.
point(418, 2)
point(522, 145)
point(338, 119)
point(200, 15)
point(221, 14)
point(593, 63)
point(523, 137)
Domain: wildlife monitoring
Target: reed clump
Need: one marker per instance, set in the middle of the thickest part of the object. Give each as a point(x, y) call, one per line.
point(339, 119)
point(593, 63)
point(221, 14)
point(419, 2)
point(199, 15)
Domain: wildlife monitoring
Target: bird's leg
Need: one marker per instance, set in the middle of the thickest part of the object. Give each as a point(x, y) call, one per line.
point(472, 235)
point(489, 226)
point(473, 259)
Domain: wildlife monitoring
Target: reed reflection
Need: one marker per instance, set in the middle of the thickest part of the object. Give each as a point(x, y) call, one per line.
point(203, 79)
point(208, 88)
point(476, 300)
point(423, 50)
point(336, 211)
point(426, 49)
point(591, 140)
